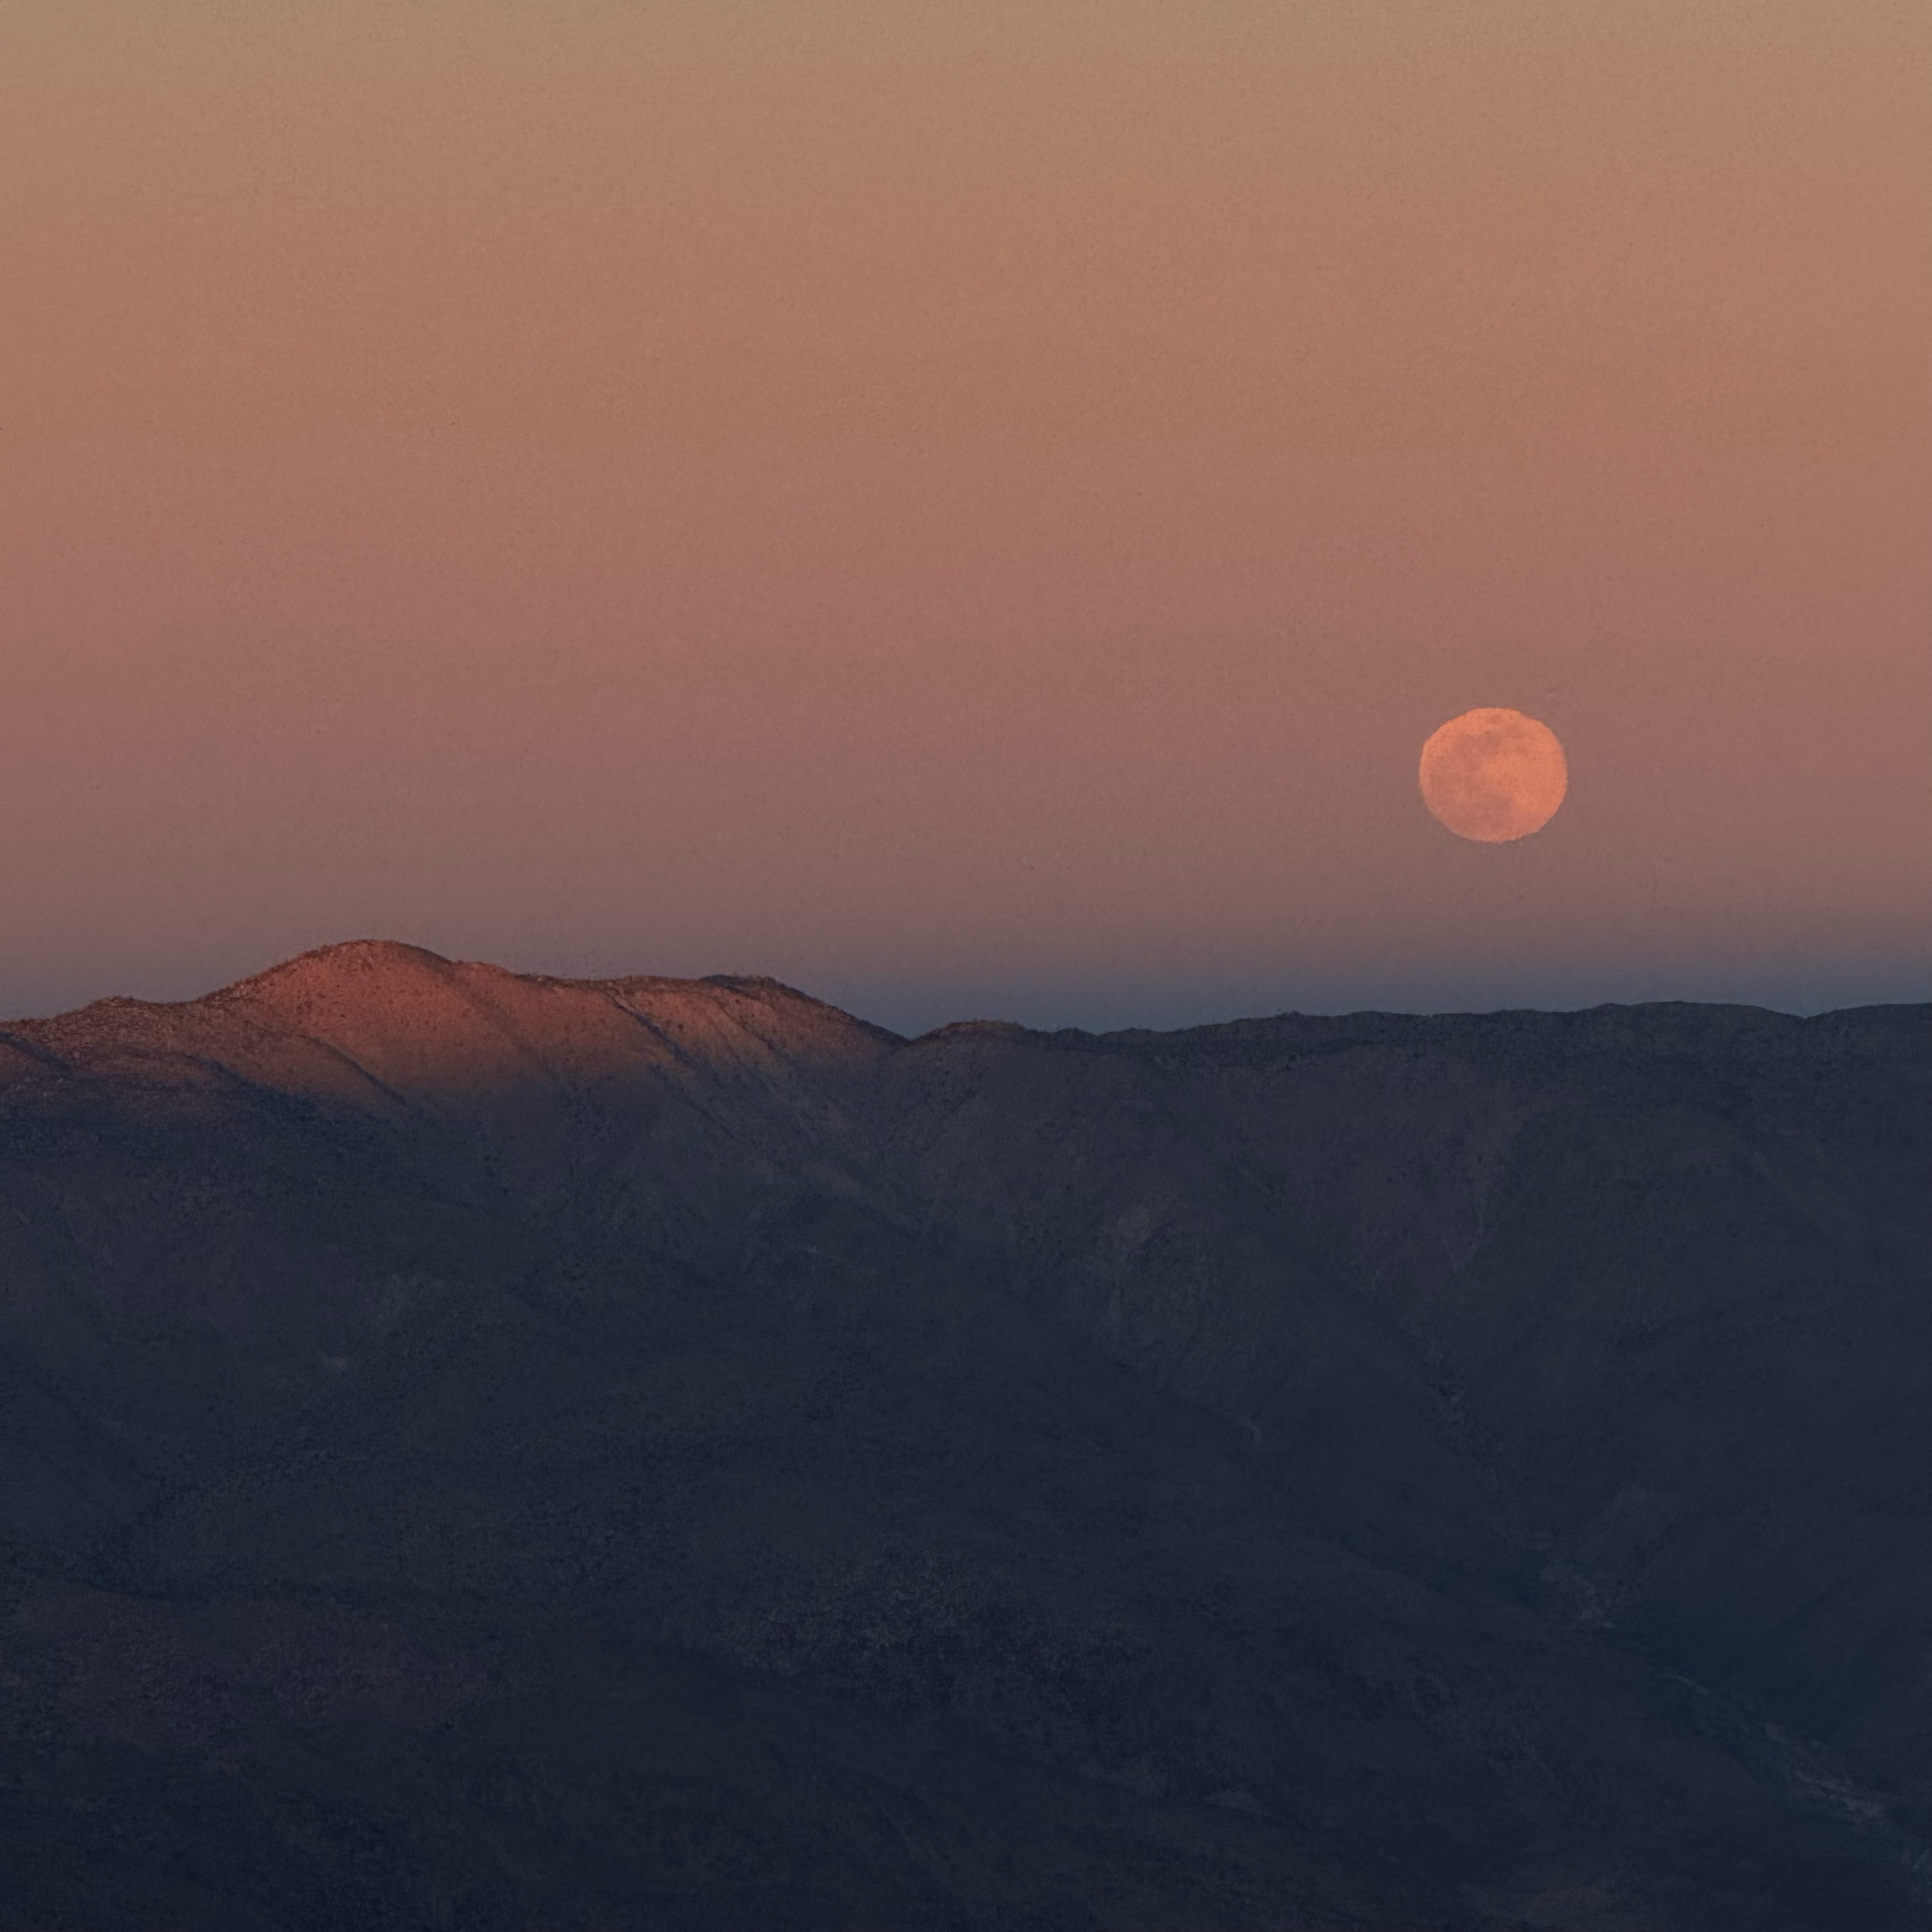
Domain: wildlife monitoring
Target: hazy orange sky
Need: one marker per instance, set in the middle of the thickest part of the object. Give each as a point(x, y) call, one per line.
point(970, 509)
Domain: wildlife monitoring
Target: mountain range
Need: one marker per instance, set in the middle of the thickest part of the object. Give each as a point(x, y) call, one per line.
point(480, 1449)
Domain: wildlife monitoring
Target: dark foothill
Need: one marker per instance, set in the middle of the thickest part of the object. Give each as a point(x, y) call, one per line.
point(481, 1450)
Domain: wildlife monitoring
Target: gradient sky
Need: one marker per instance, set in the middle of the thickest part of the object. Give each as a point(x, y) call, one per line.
point(970, 509)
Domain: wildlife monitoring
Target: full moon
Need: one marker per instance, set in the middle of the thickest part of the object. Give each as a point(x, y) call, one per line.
point(1494, 775)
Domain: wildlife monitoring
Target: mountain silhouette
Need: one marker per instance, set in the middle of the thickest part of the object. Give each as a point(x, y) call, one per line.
point(479, 1449)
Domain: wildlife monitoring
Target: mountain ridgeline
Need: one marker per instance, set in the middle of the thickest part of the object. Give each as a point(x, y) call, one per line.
point(481, 1450)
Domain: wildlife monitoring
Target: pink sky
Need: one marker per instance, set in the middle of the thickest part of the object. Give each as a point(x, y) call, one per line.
point(968, 508)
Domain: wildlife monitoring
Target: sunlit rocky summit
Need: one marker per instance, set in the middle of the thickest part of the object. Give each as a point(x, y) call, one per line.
point(478, 1450)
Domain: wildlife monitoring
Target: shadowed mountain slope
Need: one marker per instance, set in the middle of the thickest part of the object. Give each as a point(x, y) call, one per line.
point(480, 1449)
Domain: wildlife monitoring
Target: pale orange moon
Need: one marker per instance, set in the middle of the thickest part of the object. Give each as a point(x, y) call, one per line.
point(1494, 775)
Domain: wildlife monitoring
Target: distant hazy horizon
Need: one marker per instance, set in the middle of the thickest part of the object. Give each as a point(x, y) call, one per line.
point(1110, 1003)
point(968, 511)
